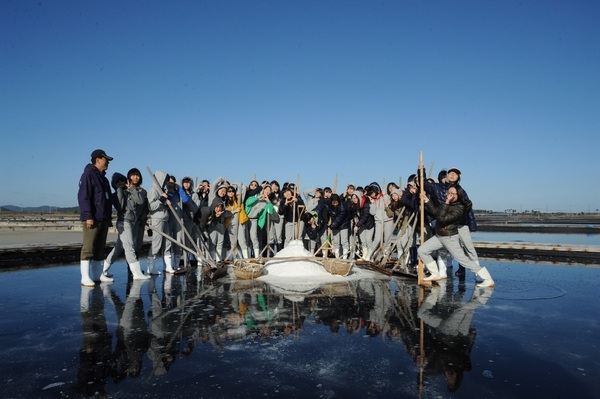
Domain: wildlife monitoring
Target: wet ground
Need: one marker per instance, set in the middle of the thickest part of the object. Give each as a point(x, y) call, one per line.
point(534, 336)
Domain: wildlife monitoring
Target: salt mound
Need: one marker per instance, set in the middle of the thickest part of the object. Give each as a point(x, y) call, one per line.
point(298, 272)
point(296, 267)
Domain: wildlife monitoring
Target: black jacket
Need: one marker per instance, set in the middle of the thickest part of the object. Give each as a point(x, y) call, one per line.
point(447, 216)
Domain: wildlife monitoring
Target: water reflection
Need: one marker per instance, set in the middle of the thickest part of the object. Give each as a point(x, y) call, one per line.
point(95, 355)
point(449, 333)
point(433, 326)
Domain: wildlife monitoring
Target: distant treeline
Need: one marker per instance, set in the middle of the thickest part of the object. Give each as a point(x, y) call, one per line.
point(38, 209)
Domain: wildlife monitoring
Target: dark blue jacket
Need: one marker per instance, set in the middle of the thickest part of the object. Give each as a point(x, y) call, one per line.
point(94, 195)
point(366, 221)
point(340, 217)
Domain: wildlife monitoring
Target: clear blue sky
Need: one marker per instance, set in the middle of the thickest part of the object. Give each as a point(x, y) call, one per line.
point(508, 91)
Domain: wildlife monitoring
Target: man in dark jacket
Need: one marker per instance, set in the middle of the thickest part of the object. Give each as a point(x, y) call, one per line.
point(95, 212)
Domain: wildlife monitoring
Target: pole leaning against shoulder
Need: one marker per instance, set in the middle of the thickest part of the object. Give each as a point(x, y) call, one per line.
point(187, 234)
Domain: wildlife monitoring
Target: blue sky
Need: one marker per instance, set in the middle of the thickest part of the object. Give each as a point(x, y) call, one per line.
point(508, 91)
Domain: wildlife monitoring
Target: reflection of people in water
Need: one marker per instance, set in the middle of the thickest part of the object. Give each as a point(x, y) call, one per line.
point(379, 313)
point(161, 351)
point(96, 348)
point(450, 333)
point(133, 338)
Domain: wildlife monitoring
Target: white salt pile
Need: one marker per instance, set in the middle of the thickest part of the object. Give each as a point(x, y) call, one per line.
point(297, 266)
point(299, 269)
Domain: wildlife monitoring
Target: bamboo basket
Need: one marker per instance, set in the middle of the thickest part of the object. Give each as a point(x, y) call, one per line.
point(342, 267)
point(247, 270)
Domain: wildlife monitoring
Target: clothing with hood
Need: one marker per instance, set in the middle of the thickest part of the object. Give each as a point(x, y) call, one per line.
point(363, 219)
point(128, 203)
point(216, 185)
point(208, 218)
point(437, 192)
point(448, 217)
point(175, 220)
point(156, 201)
point(235, 226)
point(318, 234)
point(259, 210)
point(159, 216)
point(213, 227)
point(190, 202)
point(340, 216)
point(137, 209)
point(119, 196)
point(394, 208)
point(311, 199)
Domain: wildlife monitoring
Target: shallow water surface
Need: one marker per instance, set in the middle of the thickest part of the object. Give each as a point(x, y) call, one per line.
point(534, 335)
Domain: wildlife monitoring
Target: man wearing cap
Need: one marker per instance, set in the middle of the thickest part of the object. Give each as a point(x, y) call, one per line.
point(95, 212)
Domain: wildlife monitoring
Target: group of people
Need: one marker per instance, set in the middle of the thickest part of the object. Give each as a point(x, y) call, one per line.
point(227, 220)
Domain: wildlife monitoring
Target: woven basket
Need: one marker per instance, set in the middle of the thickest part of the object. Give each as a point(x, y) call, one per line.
point(247, 270)
point(343, 267)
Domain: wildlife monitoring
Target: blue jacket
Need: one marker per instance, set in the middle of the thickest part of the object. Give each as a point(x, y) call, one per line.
point(340, 217)
point(94, 195)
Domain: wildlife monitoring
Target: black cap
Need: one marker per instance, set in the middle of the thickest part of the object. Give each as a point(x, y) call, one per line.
point(100, 154)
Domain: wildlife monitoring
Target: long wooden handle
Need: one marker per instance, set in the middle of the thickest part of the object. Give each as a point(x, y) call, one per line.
point(420, 266)
point(187, 234)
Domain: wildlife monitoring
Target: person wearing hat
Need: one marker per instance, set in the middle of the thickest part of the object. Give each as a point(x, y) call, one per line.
point(95, 213)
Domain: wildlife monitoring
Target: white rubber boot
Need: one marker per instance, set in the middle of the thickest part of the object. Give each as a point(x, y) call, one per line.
point(441, 267)
point(486, 277)
point(151, 270)
point(136, 270)
point(168, 261)
point(433, 269)
point(365, 253)
point(86, 280)
point(105, 276)
point(245, 253)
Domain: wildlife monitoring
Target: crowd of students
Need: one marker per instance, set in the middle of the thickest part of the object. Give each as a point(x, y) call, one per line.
point(223, 220)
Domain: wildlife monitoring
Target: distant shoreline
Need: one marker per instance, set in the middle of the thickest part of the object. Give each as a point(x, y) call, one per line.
point(588, 223)
point(34, 240)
